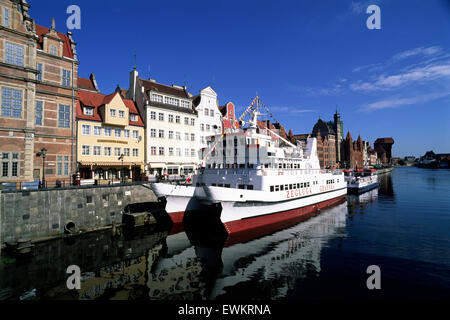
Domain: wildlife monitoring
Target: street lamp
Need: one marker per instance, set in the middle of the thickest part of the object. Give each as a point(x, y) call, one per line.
point(43, 154)
point(123, 171)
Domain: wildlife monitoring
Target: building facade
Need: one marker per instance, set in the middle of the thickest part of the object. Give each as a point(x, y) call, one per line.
point(331, 133)
point(110, 141)
point(383, 147)
point(171, 137)
point(229, 121)
point(209, 121)
point(38, 76)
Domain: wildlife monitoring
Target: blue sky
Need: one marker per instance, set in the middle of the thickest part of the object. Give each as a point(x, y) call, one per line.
point(304, 58)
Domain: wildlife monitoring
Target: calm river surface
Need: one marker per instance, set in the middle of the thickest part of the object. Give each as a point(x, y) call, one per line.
point(403, 227)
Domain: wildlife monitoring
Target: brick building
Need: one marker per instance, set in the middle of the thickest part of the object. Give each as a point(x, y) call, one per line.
point(229, 120)
point(329, 136)
point(383, 147)
point(353, 152)
point(38, 73)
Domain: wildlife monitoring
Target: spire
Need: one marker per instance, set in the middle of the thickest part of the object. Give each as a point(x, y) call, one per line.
point(53, 24)
point(134, 68)
point(349, 136)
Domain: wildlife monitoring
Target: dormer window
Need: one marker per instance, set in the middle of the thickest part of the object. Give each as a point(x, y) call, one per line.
point(88, 111)
point(53, 50)
point(112, 112)
point(121, 114)
point(133, 117)
point(185, 104)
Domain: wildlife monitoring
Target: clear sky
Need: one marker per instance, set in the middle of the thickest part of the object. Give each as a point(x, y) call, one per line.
point(303, 58)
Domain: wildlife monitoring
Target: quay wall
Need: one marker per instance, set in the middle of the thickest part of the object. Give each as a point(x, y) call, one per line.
point(43, 214)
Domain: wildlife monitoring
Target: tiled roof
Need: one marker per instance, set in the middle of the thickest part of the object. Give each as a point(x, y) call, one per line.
point(85, 84)
point(41, 31)
point(96, 100)
point(158, 87)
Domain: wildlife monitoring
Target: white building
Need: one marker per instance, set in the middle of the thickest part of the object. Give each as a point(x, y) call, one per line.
point(209, 117)
point(171, 133)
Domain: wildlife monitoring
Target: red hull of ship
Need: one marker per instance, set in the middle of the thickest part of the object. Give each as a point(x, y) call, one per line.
point(177, 220)
point(247, 229)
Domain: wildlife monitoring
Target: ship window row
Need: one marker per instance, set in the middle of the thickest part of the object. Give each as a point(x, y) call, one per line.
point(330, 181)
point(291, 186)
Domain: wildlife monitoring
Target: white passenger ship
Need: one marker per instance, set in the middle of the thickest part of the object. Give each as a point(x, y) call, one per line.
point(360, 181)
point(258, 180)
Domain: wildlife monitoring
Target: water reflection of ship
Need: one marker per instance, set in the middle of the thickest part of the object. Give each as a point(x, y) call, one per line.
point(280, 258)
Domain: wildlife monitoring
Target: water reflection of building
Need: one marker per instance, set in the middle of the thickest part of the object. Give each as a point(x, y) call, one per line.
point(386, 187)
point(106, 264)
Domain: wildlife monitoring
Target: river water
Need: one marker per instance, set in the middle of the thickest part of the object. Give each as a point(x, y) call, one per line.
point(403, 228)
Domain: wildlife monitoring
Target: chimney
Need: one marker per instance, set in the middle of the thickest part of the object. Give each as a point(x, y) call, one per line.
point(92, 78)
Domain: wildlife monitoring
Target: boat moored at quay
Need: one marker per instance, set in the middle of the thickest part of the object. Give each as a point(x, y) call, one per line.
point(257, 180)
point(360, 181)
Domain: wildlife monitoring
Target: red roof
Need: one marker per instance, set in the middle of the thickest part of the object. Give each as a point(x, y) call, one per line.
point(96, 100)
point(86, 84)
point(67, 50)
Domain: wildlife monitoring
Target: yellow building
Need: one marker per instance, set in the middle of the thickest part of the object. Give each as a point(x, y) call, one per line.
point(110, 136)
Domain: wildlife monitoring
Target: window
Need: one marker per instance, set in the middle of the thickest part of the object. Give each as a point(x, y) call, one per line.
point(193, 153)
point(38, 113)
point(157, 97)
point(186, 152)
point(53, 50)
point(126, 133)
point(153, 133)
point(178, 135)
point(86, 150)
point(64, 116)
point(11, 103)
point(153, 115)
point(192, 137)
point(161, 151)
point(186, 121)
point(97, 131)
point(66, 78)
point(97, 150)
point(186, 136)
point(117, 151)
point(121, 114)
point(112, 112)
point(170, 134)
point(208, 128)
point(135, 134)
point(161, 116)
point(39, 69)
point(135, 152)
point(85, 129)
point(170, 151)
point(107, 151)
point(179, 152)
point(185, 104)
point(88, 111)
point(107, 132)
point(117, 133)
point(62, 165)
point(6, 18)
point(206, 112)
point(126, 152)
point(177, 119)
point(161, 133)
point(14, 54)
point(153, 151)
point(172, 101)
point(202, 127)
point(171, 118)
point(133, 117)
point(10, 164)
